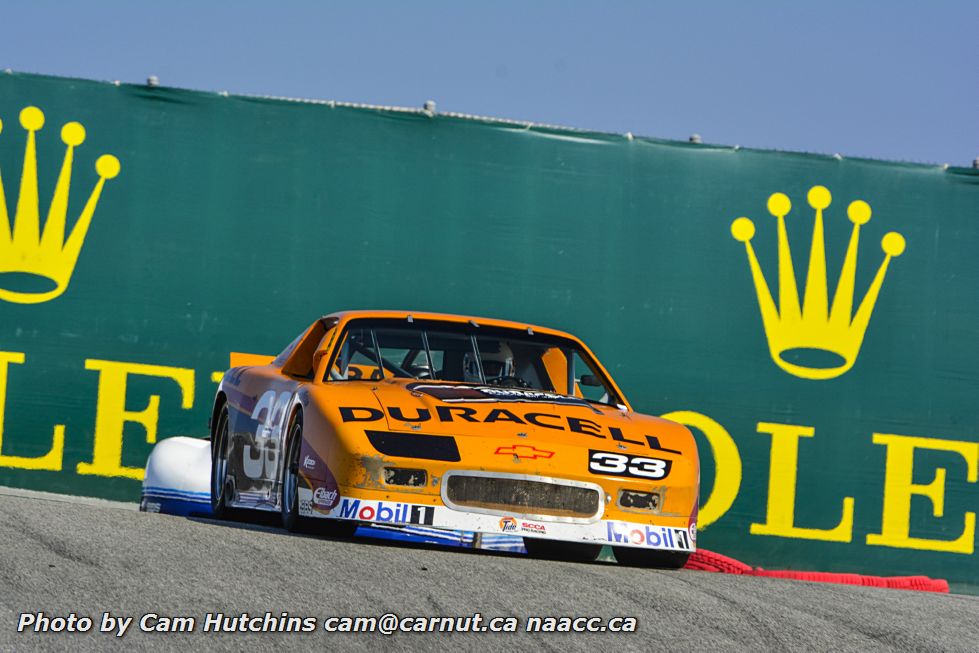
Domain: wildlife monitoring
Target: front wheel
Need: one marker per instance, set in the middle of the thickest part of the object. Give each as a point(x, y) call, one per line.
point(633, 557)
point(567, 551)
point(221, 485)
point(291, 520)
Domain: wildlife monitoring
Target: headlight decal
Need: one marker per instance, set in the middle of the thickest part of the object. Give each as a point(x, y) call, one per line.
point(415, 445)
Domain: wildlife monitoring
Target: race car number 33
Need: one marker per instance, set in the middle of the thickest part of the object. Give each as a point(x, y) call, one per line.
point(619, 464)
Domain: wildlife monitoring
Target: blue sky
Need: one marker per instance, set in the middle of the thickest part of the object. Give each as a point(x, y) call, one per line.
point(896, 80)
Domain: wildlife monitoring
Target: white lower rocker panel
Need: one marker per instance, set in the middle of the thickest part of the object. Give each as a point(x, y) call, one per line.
point(618, 533)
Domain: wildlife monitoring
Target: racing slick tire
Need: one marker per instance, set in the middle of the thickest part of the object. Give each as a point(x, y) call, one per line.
point(556, 550)
point(222, 487)
point(291, 520)
point(633, 557)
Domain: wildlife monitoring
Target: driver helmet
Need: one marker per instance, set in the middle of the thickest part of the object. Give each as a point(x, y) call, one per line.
point(498, 364)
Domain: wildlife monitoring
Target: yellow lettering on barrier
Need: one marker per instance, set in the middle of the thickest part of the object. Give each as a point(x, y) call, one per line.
point(111, 414)
point(727, 465)
point(895, 526)
point(783, 469)
point(52, 460)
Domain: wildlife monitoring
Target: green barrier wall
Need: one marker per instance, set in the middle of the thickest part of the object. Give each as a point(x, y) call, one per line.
point(834, 390)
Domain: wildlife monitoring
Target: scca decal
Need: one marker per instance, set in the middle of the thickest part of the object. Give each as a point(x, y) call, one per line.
point(510, 525)
point(466, 414)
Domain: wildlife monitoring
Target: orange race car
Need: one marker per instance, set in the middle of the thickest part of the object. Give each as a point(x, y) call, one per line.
point(456, 423)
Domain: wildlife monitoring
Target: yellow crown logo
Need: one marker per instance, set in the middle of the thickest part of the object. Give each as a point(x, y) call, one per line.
point(24, 249)
point(794, 332)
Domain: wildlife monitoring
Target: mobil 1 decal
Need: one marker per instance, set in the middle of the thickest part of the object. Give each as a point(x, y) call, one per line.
point(609, 463)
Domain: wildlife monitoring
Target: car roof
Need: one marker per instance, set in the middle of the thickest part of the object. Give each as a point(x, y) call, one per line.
point(344, 316)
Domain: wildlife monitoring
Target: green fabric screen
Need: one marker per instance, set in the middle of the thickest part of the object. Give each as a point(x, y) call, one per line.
point(838, 432)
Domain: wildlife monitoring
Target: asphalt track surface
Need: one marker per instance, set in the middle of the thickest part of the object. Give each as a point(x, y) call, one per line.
point(61, 555)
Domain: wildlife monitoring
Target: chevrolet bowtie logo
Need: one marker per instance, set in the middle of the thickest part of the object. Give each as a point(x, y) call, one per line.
point(523, 451)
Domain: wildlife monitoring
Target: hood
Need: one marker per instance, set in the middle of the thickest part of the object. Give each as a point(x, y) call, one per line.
point(492, 412)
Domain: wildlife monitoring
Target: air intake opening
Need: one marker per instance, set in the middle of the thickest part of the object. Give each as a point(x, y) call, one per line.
point(506, 495)
point(406, 477)
point(632, 500)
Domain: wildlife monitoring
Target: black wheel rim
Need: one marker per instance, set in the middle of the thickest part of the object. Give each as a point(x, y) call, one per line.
point(219, 462)
point(291, 485)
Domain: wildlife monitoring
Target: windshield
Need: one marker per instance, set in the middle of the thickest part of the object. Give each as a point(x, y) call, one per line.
point(445, 352)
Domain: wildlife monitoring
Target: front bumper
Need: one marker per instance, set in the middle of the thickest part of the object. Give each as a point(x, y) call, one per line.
point(360, 506)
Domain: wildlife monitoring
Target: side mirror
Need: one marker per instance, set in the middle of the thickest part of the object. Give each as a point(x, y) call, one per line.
point(590, 380)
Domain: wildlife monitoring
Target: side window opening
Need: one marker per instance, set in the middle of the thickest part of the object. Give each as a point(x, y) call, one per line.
point(587, 383)
point(555, 363)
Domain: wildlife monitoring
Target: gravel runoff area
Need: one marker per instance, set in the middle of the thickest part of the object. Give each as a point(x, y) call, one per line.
point(63, 555)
